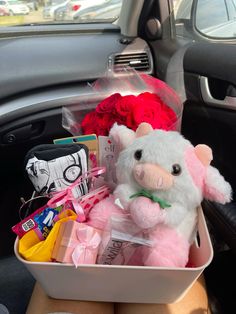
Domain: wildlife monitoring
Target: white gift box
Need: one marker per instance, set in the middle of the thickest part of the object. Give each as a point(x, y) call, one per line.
point(132, 284)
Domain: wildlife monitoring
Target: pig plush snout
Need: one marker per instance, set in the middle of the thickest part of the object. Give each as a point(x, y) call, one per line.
point(152, 177)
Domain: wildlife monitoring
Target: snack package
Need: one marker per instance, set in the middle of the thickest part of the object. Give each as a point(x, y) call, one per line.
point(40, 221)
point(121, 240)
point(31, 248)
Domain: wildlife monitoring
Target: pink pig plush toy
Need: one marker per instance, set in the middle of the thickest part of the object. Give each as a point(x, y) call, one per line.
point(162, 179)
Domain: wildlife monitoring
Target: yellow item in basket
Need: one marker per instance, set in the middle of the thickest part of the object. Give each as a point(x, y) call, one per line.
point(34, 250)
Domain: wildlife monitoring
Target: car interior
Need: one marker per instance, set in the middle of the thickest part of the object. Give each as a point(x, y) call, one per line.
point(44, 67)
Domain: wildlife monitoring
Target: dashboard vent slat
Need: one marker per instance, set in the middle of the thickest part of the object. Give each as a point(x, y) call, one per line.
point(138, 61)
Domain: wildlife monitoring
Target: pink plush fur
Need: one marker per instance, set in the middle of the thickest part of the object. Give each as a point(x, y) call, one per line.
point(102, 211)
point(195, 167)
point(146, 213)
point(170, 248)
point(126, 138)
point(215, 187)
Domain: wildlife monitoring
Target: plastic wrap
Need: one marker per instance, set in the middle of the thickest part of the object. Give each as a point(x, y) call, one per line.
point(128, 98)
point(121, 242)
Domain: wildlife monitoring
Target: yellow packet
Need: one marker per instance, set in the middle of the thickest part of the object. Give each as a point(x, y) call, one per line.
point(34, 250)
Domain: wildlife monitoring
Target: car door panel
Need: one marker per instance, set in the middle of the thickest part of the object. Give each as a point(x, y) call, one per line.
point(214, 60)
point(211, 122)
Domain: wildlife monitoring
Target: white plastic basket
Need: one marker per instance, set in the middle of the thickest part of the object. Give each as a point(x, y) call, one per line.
point(123, 283)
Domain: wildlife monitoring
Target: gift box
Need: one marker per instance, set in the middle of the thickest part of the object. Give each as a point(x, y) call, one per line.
point(114, 283)
point(76, 243)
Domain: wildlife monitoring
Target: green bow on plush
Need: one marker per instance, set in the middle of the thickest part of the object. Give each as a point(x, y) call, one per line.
point(163, 204)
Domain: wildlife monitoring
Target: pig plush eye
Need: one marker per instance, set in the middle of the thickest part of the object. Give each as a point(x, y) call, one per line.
point(138, 154)
point(176, 170)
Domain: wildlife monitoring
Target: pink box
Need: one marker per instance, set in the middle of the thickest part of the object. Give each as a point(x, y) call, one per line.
point(76, 243)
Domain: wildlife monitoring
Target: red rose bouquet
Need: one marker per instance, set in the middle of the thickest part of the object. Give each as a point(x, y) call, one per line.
point(129, 110)
point(129, 101)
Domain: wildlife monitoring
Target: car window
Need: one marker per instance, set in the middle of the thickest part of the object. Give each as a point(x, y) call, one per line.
point(232, 9)
point(211, 18)
point(36, 12)
point(217, 16)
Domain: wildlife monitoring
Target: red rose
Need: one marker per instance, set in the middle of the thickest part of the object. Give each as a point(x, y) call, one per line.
point(104, 122)
point(148, 97)
point(147, 112)
point(150, 108)
point(120, 120)
point(124, 110)
point(88, 124)
point(108, 104)
point(125, 105)
point(129, 110)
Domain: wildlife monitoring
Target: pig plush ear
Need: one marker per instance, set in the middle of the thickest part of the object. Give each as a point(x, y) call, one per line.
point(122, 135)
point(143, 129)
point(204, 154)
point(215, 187)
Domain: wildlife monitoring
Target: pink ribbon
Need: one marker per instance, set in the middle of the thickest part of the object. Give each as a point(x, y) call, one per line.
point(69, 194)
point(84, 251)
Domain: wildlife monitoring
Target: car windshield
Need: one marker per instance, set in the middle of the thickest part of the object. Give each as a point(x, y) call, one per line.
point(54, 2)
point(13, 2)
point(36, 12)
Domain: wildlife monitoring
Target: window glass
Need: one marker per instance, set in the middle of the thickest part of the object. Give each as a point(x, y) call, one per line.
point(182, 14)
point(182, 9)
point(30, 12)
point(213, 18)
point(217, 15)
point(231, 5)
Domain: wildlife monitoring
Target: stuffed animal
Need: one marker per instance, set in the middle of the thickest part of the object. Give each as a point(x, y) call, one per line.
point(162, 179)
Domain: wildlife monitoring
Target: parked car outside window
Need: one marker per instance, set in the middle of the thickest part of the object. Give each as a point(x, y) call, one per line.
point(50, 8)
point(47, 12)
point(67, 8)
point(109, 9)
point(32, 4)
point(15, 7)
point(4, 11)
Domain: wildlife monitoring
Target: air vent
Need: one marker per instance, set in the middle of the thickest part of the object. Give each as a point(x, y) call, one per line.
point(138, 61)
